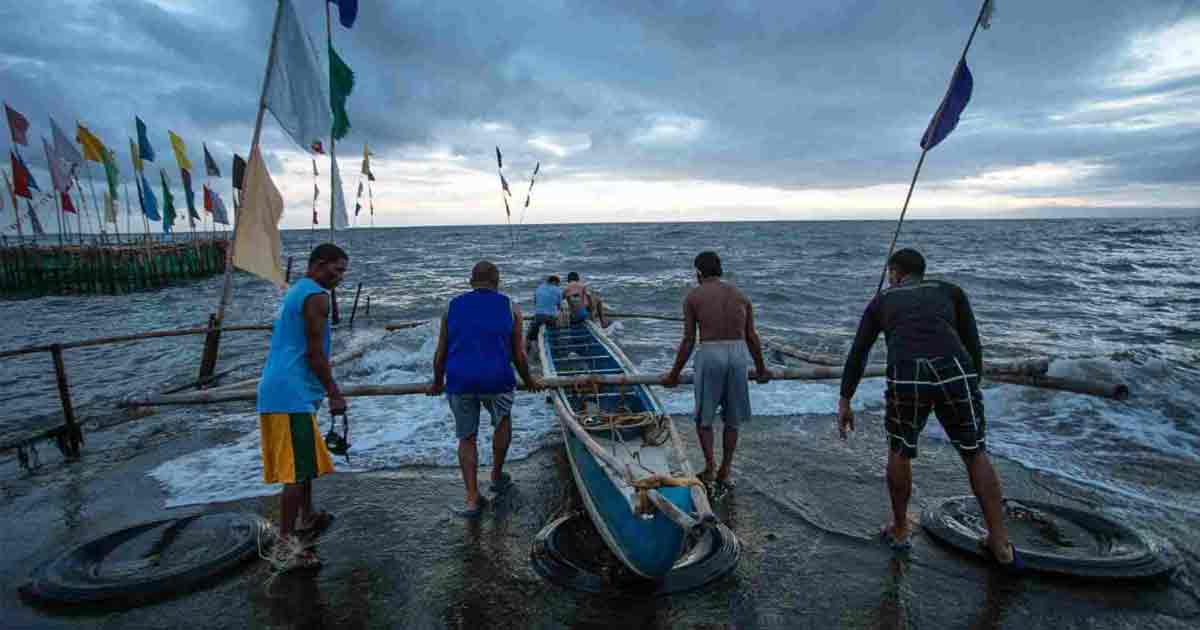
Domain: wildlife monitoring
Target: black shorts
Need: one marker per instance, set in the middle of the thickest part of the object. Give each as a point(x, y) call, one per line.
point(943, 385)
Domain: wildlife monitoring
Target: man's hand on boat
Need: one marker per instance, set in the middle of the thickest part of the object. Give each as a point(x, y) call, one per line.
point(845, 417)
point(671, 379)
point(534, 384)
point(436, 388)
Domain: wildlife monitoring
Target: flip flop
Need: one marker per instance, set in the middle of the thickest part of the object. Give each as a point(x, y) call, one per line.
point(475, 512)
point(317, 524)
point(503, 484)
point(886, 538)
point(1016, 566)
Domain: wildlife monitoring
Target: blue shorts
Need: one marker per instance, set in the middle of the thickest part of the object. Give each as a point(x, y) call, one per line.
point(580, 315)
point(465, 408)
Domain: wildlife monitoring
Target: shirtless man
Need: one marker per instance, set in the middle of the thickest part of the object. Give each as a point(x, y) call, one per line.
point(582, 302)
point(728, 340)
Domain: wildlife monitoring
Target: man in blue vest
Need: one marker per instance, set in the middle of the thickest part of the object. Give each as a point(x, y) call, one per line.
point(295, 380)
point(478, 346)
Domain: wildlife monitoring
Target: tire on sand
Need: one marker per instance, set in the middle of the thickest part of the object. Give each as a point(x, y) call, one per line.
point(146, 562)
point(1053, 538)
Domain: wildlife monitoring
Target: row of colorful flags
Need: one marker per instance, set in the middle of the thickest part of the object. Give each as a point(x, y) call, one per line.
point(64, 161)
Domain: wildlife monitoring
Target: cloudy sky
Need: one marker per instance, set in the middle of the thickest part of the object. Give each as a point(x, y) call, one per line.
point(657, 111)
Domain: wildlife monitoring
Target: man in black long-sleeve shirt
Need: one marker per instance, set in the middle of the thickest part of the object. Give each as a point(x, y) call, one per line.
point(934, 363)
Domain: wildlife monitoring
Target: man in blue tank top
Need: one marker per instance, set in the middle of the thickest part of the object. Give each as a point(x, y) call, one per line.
point(545, 307)
point(478, 346)
point(295, 380)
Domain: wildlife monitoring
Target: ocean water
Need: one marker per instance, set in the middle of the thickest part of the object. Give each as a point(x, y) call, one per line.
point(1115, 300)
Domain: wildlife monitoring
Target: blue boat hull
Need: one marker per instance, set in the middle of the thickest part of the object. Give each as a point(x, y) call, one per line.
point(649, 545)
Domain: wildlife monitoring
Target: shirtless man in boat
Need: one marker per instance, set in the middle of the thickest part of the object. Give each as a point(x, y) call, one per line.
point(934, 362)
point(582, 302)
point(728, 340)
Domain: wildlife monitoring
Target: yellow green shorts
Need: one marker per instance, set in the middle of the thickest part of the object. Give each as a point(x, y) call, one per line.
point(292, 448)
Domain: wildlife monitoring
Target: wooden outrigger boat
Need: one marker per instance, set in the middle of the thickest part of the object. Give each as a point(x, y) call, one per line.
point(625, 454)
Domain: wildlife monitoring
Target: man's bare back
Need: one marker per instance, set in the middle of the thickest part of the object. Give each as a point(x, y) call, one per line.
point(720, 309)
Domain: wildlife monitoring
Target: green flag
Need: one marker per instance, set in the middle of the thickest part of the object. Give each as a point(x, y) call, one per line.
point(168, 214)
point(341, 82)
point(111, 173)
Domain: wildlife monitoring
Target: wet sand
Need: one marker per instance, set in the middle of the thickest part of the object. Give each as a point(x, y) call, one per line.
point(806, 510)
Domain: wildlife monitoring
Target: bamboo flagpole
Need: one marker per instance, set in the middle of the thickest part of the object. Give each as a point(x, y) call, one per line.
point(12, 194)
point(213, 340)
point(334, 189)
point(943, 122)
point(504, 195)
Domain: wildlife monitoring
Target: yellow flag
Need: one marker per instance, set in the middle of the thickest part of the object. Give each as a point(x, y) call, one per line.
point(93, 149)
point(256, 244)
point(180, 151)
point(137, 158)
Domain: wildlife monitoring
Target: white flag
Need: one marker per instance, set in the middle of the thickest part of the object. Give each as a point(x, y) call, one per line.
point(58, 179)
point(341, 220)
point(296, 94)
point(64, 148)
point(219, 213)
point(256, 244)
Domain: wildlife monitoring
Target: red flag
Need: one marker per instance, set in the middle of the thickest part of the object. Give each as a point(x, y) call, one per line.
point(207, 200)
point(17, 124)
point(67, 205)
point(20, 176)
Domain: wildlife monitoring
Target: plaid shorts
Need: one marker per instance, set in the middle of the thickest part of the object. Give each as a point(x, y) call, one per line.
point(941, 385)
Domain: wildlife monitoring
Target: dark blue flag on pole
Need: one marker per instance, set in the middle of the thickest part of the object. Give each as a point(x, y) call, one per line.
point(946, 118)
point(347, 11)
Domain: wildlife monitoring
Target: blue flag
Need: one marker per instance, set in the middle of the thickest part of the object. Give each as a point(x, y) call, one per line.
point(347, 11)
point(145, 151)
point(149, 201)
point(946, 118)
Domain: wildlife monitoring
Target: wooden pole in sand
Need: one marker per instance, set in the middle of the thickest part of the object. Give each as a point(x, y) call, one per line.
point(212, 342)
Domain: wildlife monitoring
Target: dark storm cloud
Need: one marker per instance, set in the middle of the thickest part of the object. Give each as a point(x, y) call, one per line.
point(815, 94)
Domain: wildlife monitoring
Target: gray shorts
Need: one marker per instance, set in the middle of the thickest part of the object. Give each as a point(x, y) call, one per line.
point(722, 370)
point(465, 408)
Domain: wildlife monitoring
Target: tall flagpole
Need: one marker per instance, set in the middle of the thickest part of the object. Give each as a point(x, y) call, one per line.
point(913, 184)
point(332, 141)
point(212, 341)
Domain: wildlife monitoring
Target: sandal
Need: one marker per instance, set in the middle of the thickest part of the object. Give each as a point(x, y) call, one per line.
point(503, 484)
point(292, 555)
point(1015, 566)
point(475, 512)
point(317, 523)
point(898, 545)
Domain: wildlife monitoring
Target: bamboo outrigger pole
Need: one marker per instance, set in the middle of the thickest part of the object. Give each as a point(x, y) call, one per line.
point(212, 343)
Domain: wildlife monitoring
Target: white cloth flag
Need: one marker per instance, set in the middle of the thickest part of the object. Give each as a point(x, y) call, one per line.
point(296, 94)
point(219, 213)
point(58, 179)
point(64, 148)
point(341, 220)
point(256, 244)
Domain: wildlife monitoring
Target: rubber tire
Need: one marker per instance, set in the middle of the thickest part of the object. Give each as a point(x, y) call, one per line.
point(550, 561)
point(1147, 559)
point(70, 579)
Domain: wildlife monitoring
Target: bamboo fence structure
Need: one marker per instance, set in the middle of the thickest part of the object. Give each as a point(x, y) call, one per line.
point(32, 270)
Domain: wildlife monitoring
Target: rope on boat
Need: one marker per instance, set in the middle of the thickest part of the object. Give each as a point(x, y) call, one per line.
point(654, 433)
